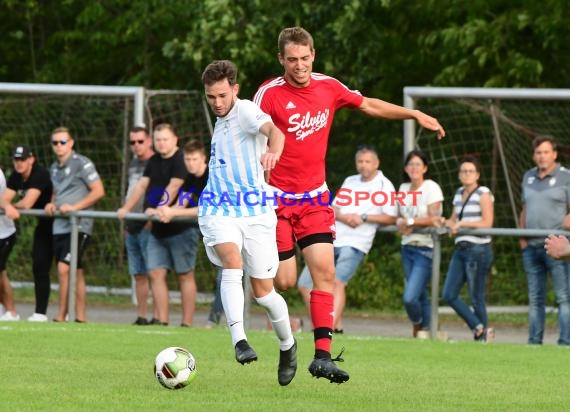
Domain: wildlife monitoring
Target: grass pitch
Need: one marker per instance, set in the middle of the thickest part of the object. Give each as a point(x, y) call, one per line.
point(101, 367)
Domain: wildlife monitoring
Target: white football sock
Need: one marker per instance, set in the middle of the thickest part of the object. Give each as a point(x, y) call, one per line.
point(278, 313)
point(231, 291)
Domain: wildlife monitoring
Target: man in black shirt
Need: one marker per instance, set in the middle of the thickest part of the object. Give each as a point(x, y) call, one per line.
point(196, 162)
point(171, 245)
point(31, 184)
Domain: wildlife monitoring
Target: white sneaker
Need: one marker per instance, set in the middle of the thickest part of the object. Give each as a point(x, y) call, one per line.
point(9, 317)
point(38, 317)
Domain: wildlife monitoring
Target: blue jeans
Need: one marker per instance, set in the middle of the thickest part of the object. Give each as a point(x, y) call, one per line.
point(417, 262)
point(136, 244)
point(469, 264)
point(536, 264)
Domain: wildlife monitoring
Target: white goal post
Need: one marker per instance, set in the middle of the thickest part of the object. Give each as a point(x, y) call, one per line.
point(498, 126)
point(100, 118)
point(137, 93)
point(492, 98)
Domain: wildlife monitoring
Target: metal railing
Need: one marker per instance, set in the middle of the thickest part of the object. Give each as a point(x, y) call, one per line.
point(436, 234)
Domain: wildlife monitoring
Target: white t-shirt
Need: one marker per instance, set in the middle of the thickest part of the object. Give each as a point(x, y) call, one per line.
point(380, 189)
point(7, 227)
point(416, 206)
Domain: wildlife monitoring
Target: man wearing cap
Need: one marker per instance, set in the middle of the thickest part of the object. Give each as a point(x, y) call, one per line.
point(31, 185)
point(76, 186)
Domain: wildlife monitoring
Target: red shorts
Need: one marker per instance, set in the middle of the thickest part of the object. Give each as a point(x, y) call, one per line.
point(298, 218)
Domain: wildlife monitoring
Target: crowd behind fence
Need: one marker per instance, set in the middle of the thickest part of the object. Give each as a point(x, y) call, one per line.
point(497, 124)
point(438, 234)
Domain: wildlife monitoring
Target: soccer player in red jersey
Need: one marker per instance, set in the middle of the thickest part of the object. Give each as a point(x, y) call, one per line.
point(302, 104)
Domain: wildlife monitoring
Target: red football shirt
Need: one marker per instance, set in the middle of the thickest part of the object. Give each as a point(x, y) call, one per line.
point(305, 116)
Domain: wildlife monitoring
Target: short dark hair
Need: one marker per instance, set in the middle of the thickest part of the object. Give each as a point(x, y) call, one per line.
point(424, 159)
point(194, 145)
point(538, 140)
point(295, 35)
point(136, 129)
point(469, 158)
point(219, 70)
point(363, 148)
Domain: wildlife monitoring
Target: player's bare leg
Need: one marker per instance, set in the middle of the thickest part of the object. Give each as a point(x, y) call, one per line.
point(286, 276)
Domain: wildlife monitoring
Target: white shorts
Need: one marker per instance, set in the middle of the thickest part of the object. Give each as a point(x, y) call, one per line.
point(254, 236)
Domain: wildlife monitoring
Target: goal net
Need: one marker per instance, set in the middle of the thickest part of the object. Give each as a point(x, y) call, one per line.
point(498, 126)
point(99, 118)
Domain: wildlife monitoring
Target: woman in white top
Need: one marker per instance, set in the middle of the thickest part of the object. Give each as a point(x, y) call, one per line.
point(421, 206)
point(472, 257)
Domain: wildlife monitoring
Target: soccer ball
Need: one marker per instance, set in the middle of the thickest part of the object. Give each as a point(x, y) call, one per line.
point(175, 368)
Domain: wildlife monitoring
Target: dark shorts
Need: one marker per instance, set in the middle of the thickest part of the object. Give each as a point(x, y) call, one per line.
point(6, 246)
point(62, 247)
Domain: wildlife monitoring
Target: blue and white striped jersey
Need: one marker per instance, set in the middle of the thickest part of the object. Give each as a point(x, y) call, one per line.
point(236, 185)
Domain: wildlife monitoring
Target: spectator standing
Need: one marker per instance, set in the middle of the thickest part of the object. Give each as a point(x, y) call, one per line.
point(421, 208)
point(473, 255)
point(7, 241)
point(546, 201)
point(362, 204)
point(171, 246)
point(196, 162)
point(302, 104)
point(76, 186)
point(238, 222)
point(30, 185)
point(137, 231)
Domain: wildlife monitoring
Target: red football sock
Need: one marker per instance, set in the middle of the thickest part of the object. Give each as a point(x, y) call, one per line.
point(322, 310)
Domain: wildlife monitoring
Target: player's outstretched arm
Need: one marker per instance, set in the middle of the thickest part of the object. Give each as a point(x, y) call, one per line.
point(379, 108)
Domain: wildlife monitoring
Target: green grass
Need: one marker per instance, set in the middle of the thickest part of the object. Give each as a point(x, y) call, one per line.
point(101, 367)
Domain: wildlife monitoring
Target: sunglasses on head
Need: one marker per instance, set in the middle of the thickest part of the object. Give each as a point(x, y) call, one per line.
point(133, 142)
point(62, 142)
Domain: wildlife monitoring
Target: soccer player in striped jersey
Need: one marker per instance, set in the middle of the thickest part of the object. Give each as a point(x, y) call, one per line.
point(236, 215)
point(302, 104)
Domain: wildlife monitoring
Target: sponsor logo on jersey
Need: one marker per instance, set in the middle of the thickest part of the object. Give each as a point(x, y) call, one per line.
point(305, 125)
